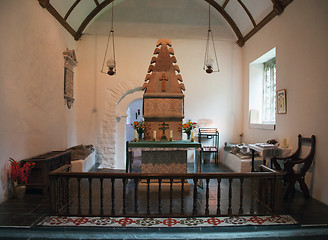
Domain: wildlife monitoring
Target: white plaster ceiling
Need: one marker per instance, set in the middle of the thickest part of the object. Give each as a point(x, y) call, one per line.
point(166, 18)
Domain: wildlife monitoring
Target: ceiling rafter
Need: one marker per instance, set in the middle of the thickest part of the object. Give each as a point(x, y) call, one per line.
point(91, 15)
point(278, 8)
point(71, 8)
point(268, 18)
point(225, 4)
point(232, 23)
point(45, 4)
point(248, 13)
point(96, 2)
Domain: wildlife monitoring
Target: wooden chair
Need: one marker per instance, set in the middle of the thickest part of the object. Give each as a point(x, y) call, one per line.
point(293, 176)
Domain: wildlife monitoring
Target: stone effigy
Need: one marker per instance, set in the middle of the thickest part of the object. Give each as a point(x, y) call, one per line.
point(81, 152)
point(163, 99)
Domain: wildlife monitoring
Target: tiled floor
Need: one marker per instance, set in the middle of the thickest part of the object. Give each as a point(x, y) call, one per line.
point(18, 219)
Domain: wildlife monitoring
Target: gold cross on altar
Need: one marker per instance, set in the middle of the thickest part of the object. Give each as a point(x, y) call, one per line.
point(164, 127)
point(163, 79)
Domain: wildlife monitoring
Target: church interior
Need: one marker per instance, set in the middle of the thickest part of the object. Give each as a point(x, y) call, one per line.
point(58, 91)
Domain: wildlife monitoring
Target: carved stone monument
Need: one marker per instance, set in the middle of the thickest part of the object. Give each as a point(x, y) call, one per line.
point(163, 99)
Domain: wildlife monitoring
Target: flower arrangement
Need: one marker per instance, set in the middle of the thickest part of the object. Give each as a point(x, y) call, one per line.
point(139, 126)
point(20, 171)
point(188, 126)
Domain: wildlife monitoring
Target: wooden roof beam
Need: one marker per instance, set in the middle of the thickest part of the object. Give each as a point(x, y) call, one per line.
point(45, 4)
point(91, 15)
point(225, 4)
point(267, 19)
point(227, 17)
point(278, 6)
point(248, 12)
point(71, 8)
point(96, 2)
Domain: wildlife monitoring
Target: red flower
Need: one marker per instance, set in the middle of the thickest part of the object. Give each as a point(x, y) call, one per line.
point(20, 170)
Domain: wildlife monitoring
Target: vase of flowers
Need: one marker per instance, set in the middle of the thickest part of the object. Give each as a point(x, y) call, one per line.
point(140, 127)
point(188, 127)
point(20, 172)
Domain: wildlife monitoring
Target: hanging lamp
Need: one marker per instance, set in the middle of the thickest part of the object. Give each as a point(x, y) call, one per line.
point(111, 63)
point(210, 64)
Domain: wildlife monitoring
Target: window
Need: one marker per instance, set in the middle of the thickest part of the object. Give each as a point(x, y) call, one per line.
point(262, 91)
point(269, 92)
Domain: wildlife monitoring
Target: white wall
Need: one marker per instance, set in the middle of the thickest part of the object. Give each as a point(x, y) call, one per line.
point(300, 37)
point(34, 118)
point(215, 97)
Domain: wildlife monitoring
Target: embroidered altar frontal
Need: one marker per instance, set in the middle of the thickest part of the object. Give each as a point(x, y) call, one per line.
point(164, 161)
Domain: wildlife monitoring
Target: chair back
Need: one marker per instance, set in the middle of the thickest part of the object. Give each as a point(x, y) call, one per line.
point(307, 161)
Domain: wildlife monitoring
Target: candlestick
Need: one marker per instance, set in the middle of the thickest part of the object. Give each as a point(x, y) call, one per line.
point(284, 143)
point(135, 135)
point(154, 135)
point(171, 135)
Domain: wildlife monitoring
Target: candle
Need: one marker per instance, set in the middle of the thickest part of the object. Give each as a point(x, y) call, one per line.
point(154, 135)
point(192, 137)
point(135, 135)
point(171, 134)
point(284, 143)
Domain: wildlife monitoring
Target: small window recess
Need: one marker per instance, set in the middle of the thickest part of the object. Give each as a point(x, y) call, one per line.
point(258, 94)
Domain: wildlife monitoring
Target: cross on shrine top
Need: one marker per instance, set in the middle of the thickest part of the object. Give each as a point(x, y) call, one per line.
point(164, 127)
point(163, 79)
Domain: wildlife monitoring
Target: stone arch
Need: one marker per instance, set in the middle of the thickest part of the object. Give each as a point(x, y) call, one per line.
point(106, 144)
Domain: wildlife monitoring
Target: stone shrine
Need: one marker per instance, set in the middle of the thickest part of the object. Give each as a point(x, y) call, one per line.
point(163, 99)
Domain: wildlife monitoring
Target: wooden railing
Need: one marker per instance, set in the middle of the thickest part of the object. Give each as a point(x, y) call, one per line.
point(148, 195)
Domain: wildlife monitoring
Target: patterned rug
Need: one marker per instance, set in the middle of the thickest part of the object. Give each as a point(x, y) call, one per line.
point(62, 221)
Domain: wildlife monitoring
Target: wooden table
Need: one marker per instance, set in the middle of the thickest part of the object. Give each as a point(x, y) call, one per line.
point(267, 151)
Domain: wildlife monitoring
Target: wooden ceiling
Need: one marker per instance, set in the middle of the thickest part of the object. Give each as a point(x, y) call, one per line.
point(243, 28)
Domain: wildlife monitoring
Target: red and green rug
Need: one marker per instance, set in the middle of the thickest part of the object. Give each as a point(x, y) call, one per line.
point(63, 221)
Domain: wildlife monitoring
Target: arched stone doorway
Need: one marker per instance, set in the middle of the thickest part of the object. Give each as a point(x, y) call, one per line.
point(111, 145)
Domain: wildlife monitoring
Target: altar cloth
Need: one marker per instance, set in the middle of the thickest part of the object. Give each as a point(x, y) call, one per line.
point(164, 156)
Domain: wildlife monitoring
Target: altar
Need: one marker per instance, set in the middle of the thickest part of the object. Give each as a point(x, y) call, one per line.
point(164, 156)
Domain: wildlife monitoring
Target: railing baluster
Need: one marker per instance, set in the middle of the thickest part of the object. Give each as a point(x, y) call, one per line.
point(148, 196)
point(207, 196)
point(159, 196)
point(271, 199)
point(59, 195)
point(53, 196)
point(136, 183)
point(171, 197)
point(251, 211)
point(182, 196)
point(68, 208)
point(194, 209)
point(230, 197)
point(124, 195)
point(90, 196)
point(101, 196)
point(79, 196)
point(241, 196)
point(113, 196)
point(218, 211)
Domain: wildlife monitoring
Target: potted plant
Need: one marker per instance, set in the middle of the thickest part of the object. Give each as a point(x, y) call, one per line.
point(188, 127)
point(20, 171)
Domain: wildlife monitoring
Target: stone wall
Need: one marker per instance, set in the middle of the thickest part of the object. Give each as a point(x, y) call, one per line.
point(106, 144)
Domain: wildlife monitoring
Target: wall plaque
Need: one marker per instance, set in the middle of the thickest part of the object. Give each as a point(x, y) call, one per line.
point(70, 63)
